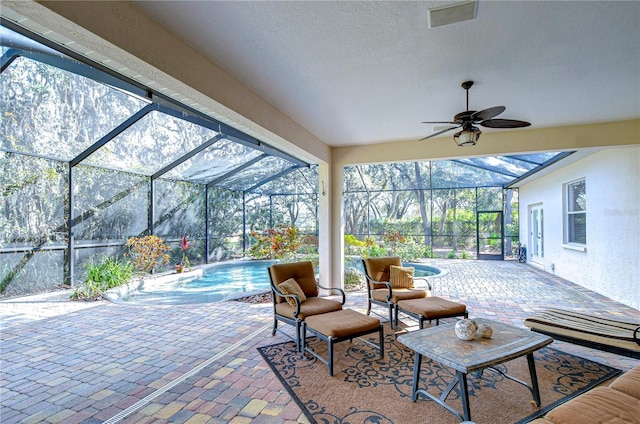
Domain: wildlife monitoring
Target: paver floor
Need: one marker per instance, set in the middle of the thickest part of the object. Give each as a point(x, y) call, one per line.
point(100, 362)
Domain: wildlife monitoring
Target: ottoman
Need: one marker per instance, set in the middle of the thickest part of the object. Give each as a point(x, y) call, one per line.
point(430, 308)
point(337, 326)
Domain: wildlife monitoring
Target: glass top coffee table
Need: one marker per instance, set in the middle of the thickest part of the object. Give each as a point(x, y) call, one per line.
point(441, 344)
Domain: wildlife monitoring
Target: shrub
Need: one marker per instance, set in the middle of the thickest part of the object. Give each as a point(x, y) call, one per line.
point(374, 251)
point(410, 251)
point(351, 240)
point(101, 276)
point(353, 279)
point(276, 243)
point(146, 252)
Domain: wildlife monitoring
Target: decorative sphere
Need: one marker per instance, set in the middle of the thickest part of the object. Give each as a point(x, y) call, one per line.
point(485, 331)
point(466, 329)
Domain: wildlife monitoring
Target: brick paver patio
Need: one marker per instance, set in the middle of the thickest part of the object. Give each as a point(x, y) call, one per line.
point(77, 362)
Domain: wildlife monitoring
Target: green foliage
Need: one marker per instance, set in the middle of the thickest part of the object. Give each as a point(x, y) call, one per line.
point(8, 274)
point(355, 246)
point(146, 252)
point(275, 243)
point(353, 279)
point(410, 251)
point(314, 258)
point(351, 240)
point(452, 255)
point(375, 251)
point(393, 240)
point(101, 276)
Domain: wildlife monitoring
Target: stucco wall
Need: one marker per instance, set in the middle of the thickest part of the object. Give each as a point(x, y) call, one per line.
point(610, 264)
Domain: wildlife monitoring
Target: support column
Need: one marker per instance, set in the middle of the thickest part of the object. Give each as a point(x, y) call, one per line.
point(335, 225)
point(328, 264)
point(71, 262)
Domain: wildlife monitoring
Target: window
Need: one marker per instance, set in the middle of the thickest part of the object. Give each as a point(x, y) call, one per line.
point(576, 212)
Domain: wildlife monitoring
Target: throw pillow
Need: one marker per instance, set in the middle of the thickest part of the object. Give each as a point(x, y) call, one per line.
point(290, 286)
point(401, 276)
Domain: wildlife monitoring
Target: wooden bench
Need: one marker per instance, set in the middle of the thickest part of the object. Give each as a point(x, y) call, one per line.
point(619, 337)
point(334, 327)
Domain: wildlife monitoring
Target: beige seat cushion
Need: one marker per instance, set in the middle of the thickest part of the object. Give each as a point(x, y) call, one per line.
point(628, 383)
point(600, 405)
point(401, 276)
point(342, 323)
point(312, 306)
point(398, 294)
point(291, 287)
point(432, 307)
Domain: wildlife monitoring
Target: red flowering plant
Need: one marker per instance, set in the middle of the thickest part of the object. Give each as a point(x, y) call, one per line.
point(184, 246)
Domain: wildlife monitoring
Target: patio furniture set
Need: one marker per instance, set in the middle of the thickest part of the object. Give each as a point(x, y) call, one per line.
point(296, 302)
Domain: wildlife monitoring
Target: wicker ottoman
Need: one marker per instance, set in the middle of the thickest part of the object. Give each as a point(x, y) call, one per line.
point(334, 327)
point(430, 308)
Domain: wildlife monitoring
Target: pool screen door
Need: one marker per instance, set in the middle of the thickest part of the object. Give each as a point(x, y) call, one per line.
point(490, 235)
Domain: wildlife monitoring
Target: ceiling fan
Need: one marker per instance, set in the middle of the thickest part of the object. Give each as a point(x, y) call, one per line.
point(470, 134)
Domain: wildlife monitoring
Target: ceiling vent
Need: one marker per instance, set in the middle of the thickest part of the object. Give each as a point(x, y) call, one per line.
point(452, 13)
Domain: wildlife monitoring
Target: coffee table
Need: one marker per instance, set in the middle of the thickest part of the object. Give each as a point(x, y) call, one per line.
point(441, 344)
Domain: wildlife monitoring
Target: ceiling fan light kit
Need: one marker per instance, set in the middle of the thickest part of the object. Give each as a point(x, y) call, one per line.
point(467, 137)
point(470, 134)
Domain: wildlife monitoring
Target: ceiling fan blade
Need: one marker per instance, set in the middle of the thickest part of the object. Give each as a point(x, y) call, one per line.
point(489, 113)
point(504, 123)
point(440, 132)
point(440, 122)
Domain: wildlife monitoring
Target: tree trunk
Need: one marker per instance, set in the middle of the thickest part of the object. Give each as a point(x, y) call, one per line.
point(423, 205)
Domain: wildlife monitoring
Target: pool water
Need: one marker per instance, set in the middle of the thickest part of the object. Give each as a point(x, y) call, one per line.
point(224, 281)
point(219, 282)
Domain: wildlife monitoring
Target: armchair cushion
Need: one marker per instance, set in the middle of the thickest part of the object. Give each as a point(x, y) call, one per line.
point(401, 276)
point(290, 286)
point(378, 269)
point(312, 306)
point(397, 294)
point(302, 272)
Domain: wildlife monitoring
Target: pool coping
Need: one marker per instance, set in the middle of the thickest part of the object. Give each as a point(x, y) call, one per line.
point(122, 292)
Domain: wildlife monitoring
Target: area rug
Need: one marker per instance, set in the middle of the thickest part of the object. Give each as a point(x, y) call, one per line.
point(365, 389)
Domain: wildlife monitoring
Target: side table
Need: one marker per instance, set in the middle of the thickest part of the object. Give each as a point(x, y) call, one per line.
point(441, 344)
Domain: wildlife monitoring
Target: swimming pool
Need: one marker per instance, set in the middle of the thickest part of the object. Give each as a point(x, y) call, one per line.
point(222, 281)
point(219, 282)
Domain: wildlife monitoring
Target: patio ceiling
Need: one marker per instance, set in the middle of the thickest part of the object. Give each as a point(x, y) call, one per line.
point(141, 131)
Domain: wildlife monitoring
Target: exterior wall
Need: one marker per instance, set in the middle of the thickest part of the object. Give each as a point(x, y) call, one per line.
point(610, 263)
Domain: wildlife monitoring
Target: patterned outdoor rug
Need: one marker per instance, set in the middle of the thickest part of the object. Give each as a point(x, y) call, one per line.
point(365, 389)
